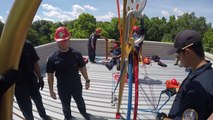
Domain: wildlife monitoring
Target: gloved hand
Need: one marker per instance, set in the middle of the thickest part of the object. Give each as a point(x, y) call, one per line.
point(170, 91)
point(160, 116)
point(41, 83)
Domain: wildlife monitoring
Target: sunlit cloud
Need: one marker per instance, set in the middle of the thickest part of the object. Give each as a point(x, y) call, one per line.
point(2, 19)
point(90, 7)
point(49, 7)
point(106, 17)
point(165, 13)
point(77, 10)
point(178, 12)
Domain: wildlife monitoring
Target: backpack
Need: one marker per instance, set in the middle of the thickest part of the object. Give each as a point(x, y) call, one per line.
point(155, 58)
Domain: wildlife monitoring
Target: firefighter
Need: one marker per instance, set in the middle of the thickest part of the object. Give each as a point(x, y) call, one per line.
point(92, 44)
point(66, 63)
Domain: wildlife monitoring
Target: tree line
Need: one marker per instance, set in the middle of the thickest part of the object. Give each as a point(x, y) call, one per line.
point(157, 29)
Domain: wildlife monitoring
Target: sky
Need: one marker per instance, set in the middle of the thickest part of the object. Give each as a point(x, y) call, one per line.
point(105, 10)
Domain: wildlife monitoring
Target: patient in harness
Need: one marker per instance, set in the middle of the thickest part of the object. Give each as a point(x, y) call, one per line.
point(115, 60)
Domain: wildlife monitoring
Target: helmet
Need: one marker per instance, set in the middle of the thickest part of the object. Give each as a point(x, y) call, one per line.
point(61, 34)
point(146, 60)
point(98, 30)
point(135, 28)
point(174, 82)
point(115, 45)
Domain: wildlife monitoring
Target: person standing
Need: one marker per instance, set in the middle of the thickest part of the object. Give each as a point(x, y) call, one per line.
point(194, 99)
point(29, 84)
point(66, 63)
point(92, 44)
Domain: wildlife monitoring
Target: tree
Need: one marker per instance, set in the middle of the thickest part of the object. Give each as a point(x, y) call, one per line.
point(33, 37)
point(208, 40)
point(44, 30)
point(84, 26)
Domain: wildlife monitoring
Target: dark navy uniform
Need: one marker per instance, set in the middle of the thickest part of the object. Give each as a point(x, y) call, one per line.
point(65, 65)
point(195, 95)
point(92, 42)
point(113, 61)
point(28, 86)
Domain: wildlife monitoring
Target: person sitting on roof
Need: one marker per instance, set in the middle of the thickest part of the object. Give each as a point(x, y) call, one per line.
point(116, 54)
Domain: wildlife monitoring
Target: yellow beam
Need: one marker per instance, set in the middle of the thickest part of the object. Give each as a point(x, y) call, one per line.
point(11, 43)
point(122, 82)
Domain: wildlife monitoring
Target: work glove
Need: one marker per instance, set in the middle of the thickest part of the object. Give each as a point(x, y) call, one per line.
point(160, 116)
point(41, 83)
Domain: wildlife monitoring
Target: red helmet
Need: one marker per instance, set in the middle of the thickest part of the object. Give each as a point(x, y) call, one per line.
point(146, 60)
point(61, 34)
point(115, 45)
point(98, 30)
point(174, 82)
point(135, 28)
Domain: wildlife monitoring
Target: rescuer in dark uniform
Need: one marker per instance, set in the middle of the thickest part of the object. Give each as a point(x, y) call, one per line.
point(65, 63)
point(92, 44)
point(194, 99)
point(30, 83)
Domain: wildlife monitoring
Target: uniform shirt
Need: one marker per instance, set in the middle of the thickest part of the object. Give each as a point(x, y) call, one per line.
point(28, 58)
point(92, 40)
point(116, 52)
point(66, 65)
point(196, 92)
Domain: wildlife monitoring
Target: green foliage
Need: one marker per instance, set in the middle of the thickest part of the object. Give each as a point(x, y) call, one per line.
point(157, 29)
point(43, 32)
point(85, 23)
point(167, 38)
point(208, 40)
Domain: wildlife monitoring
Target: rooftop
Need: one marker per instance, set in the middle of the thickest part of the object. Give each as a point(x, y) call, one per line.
point(152, 80)
point(98, 97)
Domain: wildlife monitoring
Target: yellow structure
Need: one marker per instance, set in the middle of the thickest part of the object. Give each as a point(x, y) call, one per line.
point(11, 44)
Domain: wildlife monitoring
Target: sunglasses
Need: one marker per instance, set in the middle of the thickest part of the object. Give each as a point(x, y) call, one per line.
point(182, 49)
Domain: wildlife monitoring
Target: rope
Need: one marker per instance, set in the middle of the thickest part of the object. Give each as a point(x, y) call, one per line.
point(156, 109)
point(122, 70)
point(119, 23)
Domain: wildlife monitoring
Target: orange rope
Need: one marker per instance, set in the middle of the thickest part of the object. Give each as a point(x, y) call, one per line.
point(119, 23)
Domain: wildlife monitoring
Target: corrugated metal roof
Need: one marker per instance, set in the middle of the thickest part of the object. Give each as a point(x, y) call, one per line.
point(98, 97)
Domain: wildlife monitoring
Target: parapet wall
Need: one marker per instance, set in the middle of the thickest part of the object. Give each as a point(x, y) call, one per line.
point(150, 48)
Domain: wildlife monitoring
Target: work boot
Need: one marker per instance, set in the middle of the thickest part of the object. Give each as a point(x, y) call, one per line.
point(69, 118)
point(46, 117)
point(108, 66)
point(86, 116)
